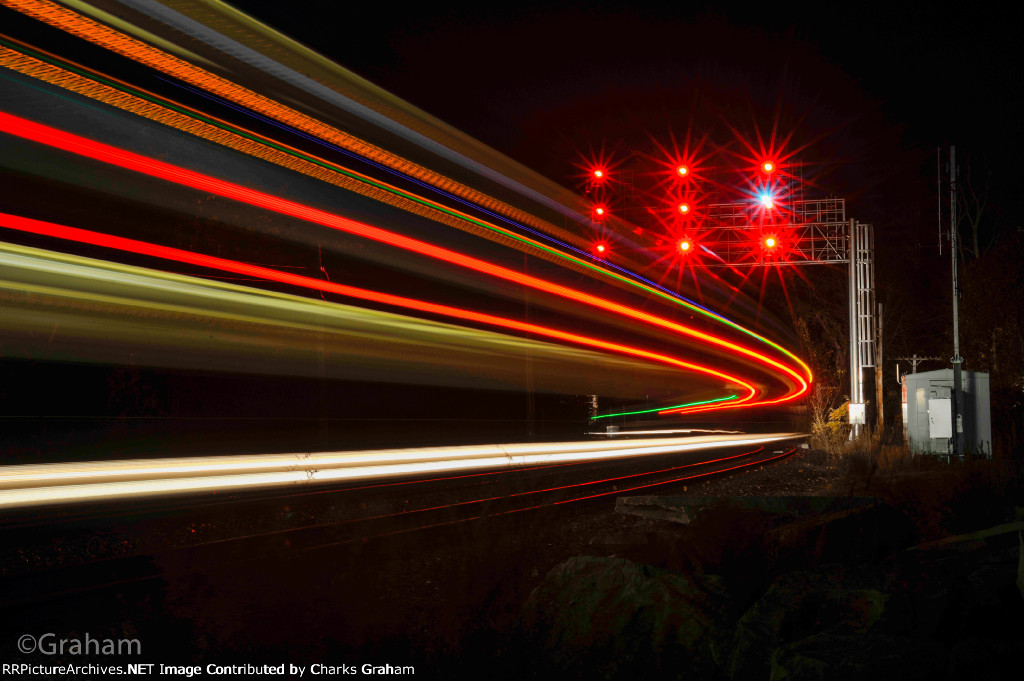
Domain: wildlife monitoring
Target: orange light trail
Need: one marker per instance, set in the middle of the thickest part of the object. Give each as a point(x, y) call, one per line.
point(188, 257)
point(148, 166)
point(111, 39)
point(116, 93)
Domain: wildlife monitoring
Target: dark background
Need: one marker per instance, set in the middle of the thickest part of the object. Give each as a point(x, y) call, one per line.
point(867, 93)
point(870, 88)
point(863, 97)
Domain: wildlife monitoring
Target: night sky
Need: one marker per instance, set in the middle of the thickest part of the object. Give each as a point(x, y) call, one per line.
point(872, 90)
point(868, 93)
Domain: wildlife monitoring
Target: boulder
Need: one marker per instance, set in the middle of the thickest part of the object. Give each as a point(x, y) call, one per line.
point(985, 604)
point(990, 541)
point(609, 618)
point(799, 605)
point(988, 659)
point(961, 586)
point(857, 535)
point(856, 657)
point(684, 509)
point(942, 592)
point(1020, 563)
point(776, 534)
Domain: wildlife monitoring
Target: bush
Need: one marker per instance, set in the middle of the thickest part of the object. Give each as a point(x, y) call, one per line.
point(830, 429)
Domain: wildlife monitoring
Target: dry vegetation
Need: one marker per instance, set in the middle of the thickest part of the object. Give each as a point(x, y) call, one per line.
point(943, 497)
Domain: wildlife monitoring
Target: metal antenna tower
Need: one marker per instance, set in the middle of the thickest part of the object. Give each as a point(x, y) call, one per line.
point(957, 360)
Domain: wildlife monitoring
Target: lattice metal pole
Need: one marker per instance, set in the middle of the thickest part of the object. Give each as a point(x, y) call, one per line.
point(862, 318)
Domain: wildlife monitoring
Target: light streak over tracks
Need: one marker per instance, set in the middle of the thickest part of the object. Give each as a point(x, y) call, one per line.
point(178, 255)
point(268, 109)
point(34, 485)
point(154, 168)
point(116, 93)
point(795, 376)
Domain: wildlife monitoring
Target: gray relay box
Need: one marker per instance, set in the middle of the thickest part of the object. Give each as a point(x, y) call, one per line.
point(927, 412)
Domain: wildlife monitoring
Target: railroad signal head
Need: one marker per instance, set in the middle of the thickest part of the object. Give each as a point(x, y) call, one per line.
point(682, 171)
point(598, 179)
point(684, 208)
point(768, 166)
point(685, 245)
point(601, 249)
point(600, 212)
point(770, 242)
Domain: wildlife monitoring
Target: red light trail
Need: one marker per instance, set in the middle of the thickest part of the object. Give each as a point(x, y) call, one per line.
point(188, 257)
point(184, 177)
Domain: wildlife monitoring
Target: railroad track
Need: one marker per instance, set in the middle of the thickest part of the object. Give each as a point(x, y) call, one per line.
point(119, 545)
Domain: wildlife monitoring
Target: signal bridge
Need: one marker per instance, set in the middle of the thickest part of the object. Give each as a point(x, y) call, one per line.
point(809, 232)
point(813, 232)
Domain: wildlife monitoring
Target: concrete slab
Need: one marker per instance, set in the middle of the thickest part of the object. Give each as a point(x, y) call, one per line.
point(683, 509)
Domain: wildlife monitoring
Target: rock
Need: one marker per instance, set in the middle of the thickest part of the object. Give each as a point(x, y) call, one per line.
point(993, 539)
point(853, 657)
point(799, 605)
point(612, 618)
point(683, 509)
point(985, 604)
point(992, 660)
point(1020, 563)
point(856, 535)
point(963, 585)
point(655, 508)
point(620, 538)
point(941, 591)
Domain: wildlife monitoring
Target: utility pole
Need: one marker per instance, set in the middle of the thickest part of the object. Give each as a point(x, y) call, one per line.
point(914, 360)
point(958, 389)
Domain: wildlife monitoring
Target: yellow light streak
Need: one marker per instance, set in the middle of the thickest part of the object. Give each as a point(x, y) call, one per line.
point(173, 320)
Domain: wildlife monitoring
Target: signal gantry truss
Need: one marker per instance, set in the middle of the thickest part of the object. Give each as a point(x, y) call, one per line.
point(813, 232)
point(807, 232)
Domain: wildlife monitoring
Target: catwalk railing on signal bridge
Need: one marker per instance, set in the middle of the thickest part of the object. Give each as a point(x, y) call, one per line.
point(806, 232)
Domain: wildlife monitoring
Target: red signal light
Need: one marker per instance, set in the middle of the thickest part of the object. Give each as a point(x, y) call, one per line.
point(600, 249)
point(684, 208)
point(598, 174)
point(685, 245)
point(682, 171)
point(770, 242)
point(768, 166)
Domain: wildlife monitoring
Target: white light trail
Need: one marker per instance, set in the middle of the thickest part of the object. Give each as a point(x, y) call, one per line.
point(59, 483)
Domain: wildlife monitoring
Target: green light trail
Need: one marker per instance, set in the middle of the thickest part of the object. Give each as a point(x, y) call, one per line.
point(677, 406)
